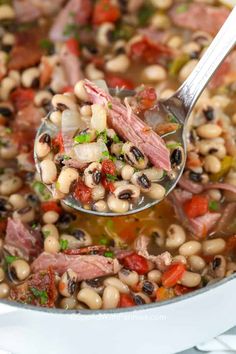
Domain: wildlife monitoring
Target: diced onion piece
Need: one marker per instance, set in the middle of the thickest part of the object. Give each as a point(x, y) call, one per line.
point(99, 118)
point(90, 152)
point(102, 85)
point(71, 122)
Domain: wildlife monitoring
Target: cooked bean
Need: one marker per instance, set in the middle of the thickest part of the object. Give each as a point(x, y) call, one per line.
point(42, 98)
point(50, 230)
point(86, 111)
point(65, 179)
point(119, 64)
point(187, 69)
point(56, 117)
point(197, 263)
point(176, 157)
point(157, 234)
point(190, 248)
point(214, 246)
point(100, 206)
point(68, 303)
point(180, 259)
point(11, 185)
point(128, 277)
point(26, 214)
point(141, 299)
point(160, 21)
point(68, 283)
point(117, 205)
point(94, 284)
point(2, 274)
point(93, 175)
point(127, 192)
point(17, 201)
point(162, 4)
point(103, 34)
point(154, 73)
point(20, 269)
point(176, 236)
point(48, 171)
point(148, 287)
point(191, 280)
point(80, 91)
point(174, 42)
point(63, 102)
point(50, 217)
point(127, 172)
point(116, 149)
point(212, 164)
point(7, 86)
point(118, 284)
point(209, 131)
point(134, 156)
point(90, 298)
point(51, 244)
point(110, 297)
point(8, 150)
point(141, 180)
point(218, 267)
point(7, 12)
point(30, 77)
point(215, 194)
point(154, 174)
point(43, 145)
point(92, 73)
point(156, 191)
point(155, 276)
point(4, 290)
point(99, 118)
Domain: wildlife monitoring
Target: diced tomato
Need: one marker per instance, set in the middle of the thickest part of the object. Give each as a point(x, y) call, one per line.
point(109, 186)
point(105, 11)
point(58, 143)
point(67, 89)
point(181, 290)
point(82, 192)
point(116, 81)
point(128, 233)
point(173, 274)
point(196, 206)
point(148, 51)
point(3, 225)
point(73, 46)
point(126, 300)
point(231, 244)
point(164, 294)
point(21, 98)
point(108, 167)
point(146, 98)
point(137, 263)
point(51, 206)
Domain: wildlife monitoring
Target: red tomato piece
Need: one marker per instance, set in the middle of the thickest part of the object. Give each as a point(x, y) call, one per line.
point(21, 98)
point(105, 11)
point(108, 167)
point(67, 89)
point(196, 206)
point(148, 51)
point(136, 262)
point(58, 142)
point(231, 244)
point(126, 300)
point(181, 290)
point(73, 46)
point(109, 186)
point(116, 81)
point(51, 206)
point(82, 192)
point(173, 274)
point(146, 98)
point(128, 234)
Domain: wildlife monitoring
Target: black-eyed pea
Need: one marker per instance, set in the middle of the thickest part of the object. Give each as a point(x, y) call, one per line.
point(209, 131)
point(134, 156)
point(141, 299)
point(50, 230)
point(56, 118)
point(218, 267)
point(117, 205)
point(42, 98)
point(17, 201)
point(128, 277)
point(65, 179)
point(15, 75)
point(26, 214)
point(51, 245)
point(190, 279)
point(187, 69)
point(148, 287)
point(93, 175)
point(62, 102)
point(68, 303)
point(90, 298)
point(176, 236)
point(83, 237)
point(160, 21)
point(158, 236)
point(212, 164)
point(213, 247)
point(86, 110)
point(215, 194)
point(157, 191)
point(7, 12)
point(154, 174)
point(72, 242)
point(8, 150)
point(68, 283)
point(103, 34)
point(30, 77)
point(127, 192)
point(8, 84)
point(155, 276)
point(174, 42)
point(10, 185)
point(43, 145)
point(2, 274)
point(191, 48)
point(94, 284)
point(99, 118)
point(154, 73)
point(119, 64)
point(162, 4)
point(118, 284)
point(93, 73)
point(48, 171)
point(196, 263)
point(179, 259)
point(119, 165)
point(140, 180)
point(4, 290)
point(110, 297)
point(20, 269)
point(190, 248)
point(50, 217)
point(116, 149)
point(80, 91)
point(127, 172)
point(100, 206)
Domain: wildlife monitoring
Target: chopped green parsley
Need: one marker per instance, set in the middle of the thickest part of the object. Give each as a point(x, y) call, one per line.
point(82, 138)
point(64, 244)
point(41, 294)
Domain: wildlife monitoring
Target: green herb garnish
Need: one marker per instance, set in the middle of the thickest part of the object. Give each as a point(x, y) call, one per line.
point(63, 244)
point(181, 8)
point(46, 45)
point(111, 178)
point(103, 136)
point(213, 205)
point(41, 294)
point(82, 138)
point(10, 259)
point(109, 105)
point(123, 31)
point(172, 118)
point(109, 254)
point(46, 233)
point(145, 13)
point(41, 190)
point(105, 153)
point(104, 241)
point(172, 146)
point(116, 139)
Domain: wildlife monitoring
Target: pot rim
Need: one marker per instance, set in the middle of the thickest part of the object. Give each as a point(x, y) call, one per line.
point(118, 311)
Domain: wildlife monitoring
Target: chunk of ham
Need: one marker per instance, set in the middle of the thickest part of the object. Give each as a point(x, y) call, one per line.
point(226, 218)
point(199, 17)
point(22, 241)
point(29, 10)
point(198, 226)
point(29, 117)
point(81, 10)
point(162, 261)
point(130, 127)
point(86, 266)
point(71, 65)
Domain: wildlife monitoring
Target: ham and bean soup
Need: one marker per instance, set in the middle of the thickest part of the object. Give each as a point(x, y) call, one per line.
point(110, 153)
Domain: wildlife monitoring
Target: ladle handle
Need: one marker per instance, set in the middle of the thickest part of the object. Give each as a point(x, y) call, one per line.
point(192, 87)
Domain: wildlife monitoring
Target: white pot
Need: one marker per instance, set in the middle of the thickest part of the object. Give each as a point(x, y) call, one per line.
point(162, 328)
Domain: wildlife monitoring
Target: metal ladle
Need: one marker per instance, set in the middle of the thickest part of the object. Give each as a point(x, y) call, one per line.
point(180, 105)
